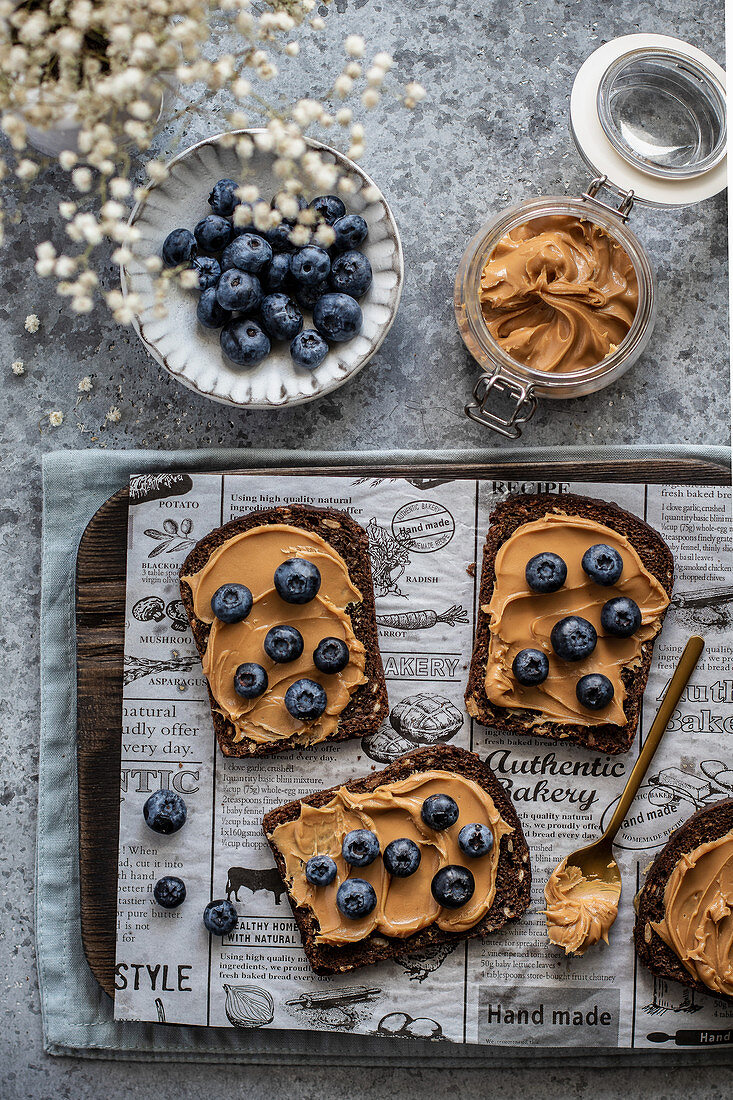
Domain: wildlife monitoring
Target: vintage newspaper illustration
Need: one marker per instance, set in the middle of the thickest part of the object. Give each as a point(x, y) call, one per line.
point(514, 988)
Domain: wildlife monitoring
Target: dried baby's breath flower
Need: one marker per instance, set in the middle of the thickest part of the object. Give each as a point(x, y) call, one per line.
point(354, 45)
point(113, 415)
point(18, 367)
point(414, 94)
point(85, 384)
point(113, 69)
point(56, 418)
point(32, 323)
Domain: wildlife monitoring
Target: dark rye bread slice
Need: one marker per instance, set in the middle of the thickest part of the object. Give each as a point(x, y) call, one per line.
point(655, 555)
point(514, 874)
point(368, 705)
point(708, 824)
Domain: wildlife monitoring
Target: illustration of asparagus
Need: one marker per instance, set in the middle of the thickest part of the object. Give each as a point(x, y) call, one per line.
point(135, 668)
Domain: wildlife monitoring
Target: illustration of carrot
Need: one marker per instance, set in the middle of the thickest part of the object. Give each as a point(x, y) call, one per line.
point(422, 620)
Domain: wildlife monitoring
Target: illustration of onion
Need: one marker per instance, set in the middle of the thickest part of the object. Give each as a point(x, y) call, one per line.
point(248, 1005)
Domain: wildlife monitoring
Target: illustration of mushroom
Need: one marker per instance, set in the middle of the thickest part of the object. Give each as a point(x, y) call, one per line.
point(150, 609)
point(176, 612)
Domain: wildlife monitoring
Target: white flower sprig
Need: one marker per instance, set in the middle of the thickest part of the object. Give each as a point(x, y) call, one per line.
point(111, 66)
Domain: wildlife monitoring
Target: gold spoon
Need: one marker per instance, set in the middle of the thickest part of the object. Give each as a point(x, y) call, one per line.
point(596, 860)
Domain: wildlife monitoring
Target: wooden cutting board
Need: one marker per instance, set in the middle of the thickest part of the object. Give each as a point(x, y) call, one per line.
point(100, 632)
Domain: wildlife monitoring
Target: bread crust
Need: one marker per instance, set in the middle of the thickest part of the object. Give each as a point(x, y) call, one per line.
point(707, 824)
point(368, 705)
point(511, 514)
point(513, 881)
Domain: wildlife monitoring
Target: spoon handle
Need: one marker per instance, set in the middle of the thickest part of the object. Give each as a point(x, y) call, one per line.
point(677, 684)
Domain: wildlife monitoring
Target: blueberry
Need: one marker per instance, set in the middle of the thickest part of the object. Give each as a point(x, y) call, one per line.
point(244, 343)
point(308, 349)
point(594, 691)
point(350, 231)
point(165, 811)
point(573, 638)
point(546, 572)
point(439, 811)
point(208, 270)
point(621, 617)
point(476, 839)
point(305, 700)
point(248, 252)
point(239, 290)
point(351, 273)
point(210, 314)
point(179, 247)
point(401, 857)
point(307, 296)
point(276, 276)
point(320, 871)
point(453, 886)
point(310, 265)
point(337, 317)
point(250, 680)
point(331, 655)
point(330, 207)
point(278, 238)
point(603, 564)
point(355, 898)
point(360, 847)
point(297, 580)
point(222, 199)
point(213, 233)
point(283, 644)
point(281, 318)
point(232, 603)
point(169, 892)
point(530, 666)
point(220, 917)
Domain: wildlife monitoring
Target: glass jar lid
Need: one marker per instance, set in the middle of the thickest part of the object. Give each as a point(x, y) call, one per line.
point(648, 112)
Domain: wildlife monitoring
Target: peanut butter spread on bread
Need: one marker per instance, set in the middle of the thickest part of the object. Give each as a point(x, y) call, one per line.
point(404, 905)
point(580, 911)
point(558, 294)
point(251, 558)
point(698, 913)
point(520, 618)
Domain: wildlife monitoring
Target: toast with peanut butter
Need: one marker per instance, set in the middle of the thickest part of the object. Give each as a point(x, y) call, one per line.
point(281, 604)
point(573, 594)
point(428, 851)
point(684, 927)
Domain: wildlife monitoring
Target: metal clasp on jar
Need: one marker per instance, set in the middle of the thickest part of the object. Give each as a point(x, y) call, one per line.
point(488, 388)
point(627, 198)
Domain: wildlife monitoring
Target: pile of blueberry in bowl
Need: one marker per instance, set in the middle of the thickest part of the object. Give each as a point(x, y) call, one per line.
point(257, 286)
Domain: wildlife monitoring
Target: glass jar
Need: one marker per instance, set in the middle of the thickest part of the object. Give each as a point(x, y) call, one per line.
point(648, 117)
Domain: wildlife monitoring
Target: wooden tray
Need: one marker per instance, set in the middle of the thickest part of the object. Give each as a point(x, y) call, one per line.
point(100, 633)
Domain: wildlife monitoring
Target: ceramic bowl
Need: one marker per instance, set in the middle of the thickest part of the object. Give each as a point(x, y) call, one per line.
point(191, 353)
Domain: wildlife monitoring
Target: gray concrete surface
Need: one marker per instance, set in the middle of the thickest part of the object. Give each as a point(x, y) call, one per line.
point(494, 131)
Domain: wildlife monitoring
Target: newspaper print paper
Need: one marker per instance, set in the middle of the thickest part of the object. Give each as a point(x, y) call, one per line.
point(512, 989)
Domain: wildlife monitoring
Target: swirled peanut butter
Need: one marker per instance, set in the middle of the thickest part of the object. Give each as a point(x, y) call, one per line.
point(558, 294)
point(520, 619)
point(698, 914)
point(251, 558)
point(580, 911)
point(404, 905)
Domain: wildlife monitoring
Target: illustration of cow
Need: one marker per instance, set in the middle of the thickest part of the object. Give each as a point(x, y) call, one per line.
point(254, 879)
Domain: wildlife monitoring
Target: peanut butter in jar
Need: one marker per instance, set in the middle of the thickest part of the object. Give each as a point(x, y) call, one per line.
point(558, 294)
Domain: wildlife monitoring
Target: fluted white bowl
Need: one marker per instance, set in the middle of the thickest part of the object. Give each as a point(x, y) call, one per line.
point(191, 353)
